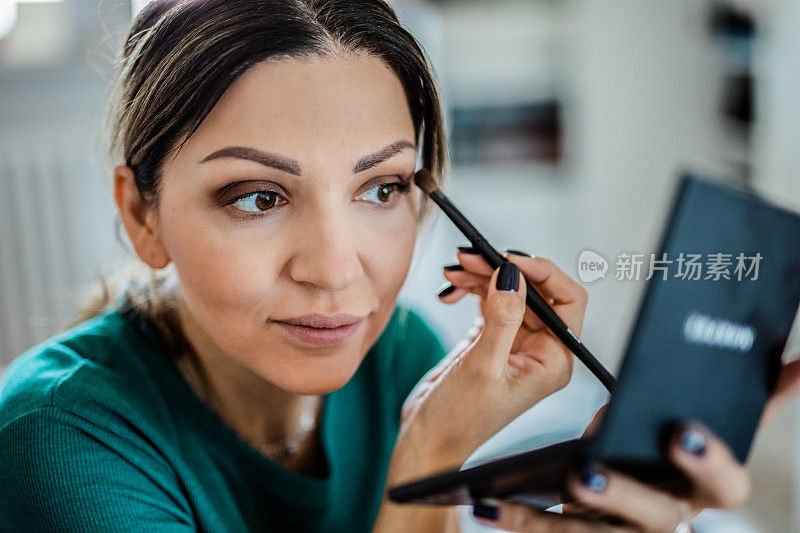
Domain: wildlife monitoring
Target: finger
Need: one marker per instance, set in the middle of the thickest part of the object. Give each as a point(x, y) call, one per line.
point(461, 278)
point(478, 285)
point(616, 494)
point(719, 479)
point(465, 278)
point(449, 293)
point(472, 262)
point(578, 510)
point(551, 281)
point(514, 517)
point(569, 298)
point(471, 259)
point(596, 420)
point(503, 309)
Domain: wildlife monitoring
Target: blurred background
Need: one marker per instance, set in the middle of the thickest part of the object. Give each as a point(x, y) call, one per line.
point(570, 122)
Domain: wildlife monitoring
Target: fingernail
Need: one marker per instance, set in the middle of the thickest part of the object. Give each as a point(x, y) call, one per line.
point(485, 510)
point(453, 268)
point(693, 441)
point(447, 290)
point(508, 277)
point(594, 479)
point(518, 252)
point(468, 250)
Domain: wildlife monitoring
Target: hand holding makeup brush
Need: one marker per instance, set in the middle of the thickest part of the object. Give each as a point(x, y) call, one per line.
point(494, 375)
point(471, 276)
point(535, 301)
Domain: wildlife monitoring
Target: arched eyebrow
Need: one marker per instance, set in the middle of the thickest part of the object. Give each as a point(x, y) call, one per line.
point(291, 166)
point(370, 160)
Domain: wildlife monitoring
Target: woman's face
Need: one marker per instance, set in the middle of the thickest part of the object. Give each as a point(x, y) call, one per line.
point(304, 216)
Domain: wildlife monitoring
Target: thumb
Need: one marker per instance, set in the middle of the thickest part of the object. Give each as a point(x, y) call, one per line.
point(594, 425)
point(503, 310)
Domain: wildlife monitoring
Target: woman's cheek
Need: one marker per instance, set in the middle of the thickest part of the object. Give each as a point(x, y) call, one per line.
point(232, 294)
point(223, 270)
point(234, 281)
point(392, 250)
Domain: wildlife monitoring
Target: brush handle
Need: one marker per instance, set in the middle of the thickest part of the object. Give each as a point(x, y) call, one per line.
point(568, 337)
point(551, 319)
point(533, 299)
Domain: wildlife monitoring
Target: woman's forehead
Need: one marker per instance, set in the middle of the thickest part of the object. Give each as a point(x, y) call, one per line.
point(345, 99)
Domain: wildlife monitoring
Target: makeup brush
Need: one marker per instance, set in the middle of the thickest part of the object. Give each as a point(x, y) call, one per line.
point(533, 299)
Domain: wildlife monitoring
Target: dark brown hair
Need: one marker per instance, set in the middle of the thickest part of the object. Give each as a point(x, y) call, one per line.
point(180, 56)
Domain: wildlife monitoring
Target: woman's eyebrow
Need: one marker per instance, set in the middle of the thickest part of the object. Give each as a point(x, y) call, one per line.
point(370, 160)
point(259, 156)
point(293, 167)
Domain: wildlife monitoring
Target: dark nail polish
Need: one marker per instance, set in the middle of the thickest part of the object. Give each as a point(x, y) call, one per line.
point(508, 277)
point(468, 250)
point(594, 479)
point(518, 252)
point(447, 290)
point(453, 268)
point(693, 441)
point(484, 510)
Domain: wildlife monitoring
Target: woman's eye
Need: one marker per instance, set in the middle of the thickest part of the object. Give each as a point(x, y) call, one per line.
point(257, 202)
point(382, 193)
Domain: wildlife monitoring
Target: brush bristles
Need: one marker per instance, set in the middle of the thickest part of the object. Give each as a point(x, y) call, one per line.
point(424, 180)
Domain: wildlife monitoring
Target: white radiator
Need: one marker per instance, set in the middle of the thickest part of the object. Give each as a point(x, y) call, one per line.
point(56, 229)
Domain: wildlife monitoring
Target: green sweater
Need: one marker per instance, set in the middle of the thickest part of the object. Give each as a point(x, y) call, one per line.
point(99, 432)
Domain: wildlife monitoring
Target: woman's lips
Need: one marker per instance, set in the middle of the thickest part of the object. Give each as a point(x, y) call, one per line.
point(321, 336)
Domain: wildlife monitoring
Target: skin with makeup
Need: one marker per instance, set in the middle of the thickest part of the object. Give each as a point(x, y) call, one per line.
point(291, 250)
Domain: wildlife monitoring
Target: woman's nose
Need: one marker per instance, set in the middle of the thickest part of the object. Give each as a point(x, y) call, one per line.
point(327, 254)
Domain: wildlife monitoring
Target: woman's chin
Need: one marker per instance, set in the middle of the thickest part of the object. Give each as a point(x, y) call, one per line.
point(315, 385)
point(321, 379)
